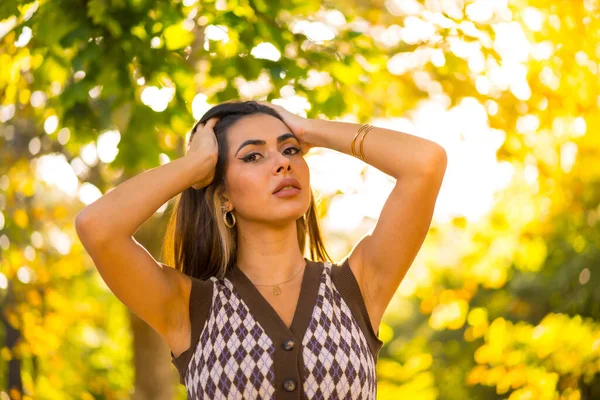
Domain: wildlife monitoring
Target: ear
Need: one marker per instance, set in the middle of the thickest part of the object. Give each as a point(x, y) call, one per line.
point(227, 206)
point(225, 202)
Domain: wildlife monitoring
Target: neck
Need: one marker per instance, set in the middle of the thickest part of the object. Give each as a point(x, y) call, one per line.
point(268, 255)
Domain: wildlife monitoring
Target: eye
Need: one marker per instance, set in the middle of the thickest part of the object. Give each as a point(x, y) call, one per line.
point(249, 157)
point(296, 150)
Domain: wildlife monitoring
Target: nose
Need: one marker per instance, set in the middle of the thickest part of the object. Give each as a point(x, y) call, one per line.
point(282, 163)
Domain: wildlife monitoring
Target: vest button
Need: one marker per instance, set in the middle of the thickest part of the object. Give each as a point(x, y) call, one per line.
point(289, 344)
point(289, 385)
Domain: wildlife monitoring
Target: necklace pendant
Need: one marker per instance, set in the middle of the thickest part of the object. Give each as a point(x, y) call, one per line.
point(276, 290)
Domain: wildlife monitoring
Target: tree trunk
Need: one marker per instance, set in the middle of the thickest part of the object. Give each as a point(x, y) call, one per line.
point(155, 376)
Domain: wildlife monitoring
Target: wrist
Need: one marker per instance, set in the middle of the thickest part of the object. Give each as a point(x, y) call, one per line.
point(199, 159)
point(199, 166)
point(316, 132)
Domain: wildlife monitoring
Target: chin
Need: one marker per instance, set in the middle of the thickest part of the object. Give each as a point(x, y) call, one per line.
point(288, 212)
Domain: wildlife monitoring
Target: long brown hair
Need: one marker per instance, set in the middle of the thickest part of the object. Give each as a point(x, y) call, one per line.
point(197, 241)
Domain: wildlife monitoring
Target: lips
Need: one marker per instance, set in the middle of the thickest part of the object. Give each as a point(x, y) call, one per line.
point(287, 182)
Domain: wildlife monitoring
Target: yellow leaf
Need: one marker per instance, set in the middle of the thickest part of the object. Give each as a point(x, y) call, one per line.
point(21, 219)
point(176, 37)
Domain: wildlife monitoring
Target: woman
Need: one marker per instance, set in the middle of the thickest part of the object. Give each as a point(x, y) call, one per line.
point(244, 313)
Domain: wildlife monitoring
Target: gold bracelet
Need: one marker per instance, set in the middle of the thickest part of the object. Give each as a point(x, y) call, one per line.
point(362, 154)
point(354, 140)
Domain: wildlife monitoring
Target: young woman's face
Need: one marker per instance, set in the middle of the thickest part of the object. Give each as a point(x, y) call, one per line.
point(255, 169)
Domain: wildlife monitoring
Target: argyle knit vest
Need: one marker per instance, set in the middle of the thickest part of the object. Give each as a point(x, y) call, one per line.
point(242, 349)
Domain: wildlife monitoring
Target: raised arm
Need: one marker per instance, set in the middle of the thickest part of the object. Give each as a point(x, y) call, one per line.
point(381, 258)
point(153, 291)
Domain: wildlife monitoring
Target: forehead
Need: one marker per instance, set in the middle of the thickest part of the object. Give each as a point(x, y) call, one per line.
point(256, 127)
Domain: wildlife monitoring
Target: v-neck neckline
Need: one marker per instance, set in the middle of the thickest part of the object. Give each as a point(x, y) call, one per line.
point(264, 312)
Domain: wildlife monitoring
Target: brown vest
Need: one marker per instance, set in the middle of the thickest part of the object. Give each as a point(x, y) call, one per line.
point(242, 349)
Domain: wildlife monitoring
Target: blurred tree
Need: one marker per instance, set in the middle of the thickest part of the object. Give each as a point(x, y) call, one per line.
point(505, 306)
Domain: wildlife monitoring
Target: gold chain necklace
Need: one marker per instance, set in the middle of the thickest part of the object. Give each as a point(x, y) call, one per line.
point(276, 288)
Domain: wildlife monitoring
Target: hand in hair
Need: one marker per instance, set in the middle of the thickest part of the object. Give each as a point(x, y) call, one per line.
point(203, 146)
point(299, 125)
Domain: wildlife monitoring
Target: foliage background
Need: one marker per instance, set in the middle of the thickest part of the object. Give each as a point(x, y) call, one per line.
point(501, 302)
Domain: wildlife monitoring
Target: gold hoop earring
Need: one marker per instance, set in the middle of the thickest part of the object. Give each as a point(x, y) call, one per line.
point(227, 222)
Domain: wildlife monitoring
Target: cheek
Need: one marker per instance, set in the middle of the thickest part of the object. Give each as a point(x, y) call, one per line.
point(302, 171)
point(247, 186)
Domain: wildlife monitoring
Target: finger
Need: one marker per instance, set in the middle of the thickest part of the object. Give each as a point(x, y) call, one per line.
point(211, 122)
point(266, 103)
point(196, 127)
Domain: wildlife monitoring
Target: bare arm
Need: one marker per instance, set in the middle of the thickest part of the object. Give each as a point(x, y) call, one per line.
point(152, 290)
point(124, 209)
point(381, 258)
point(395, 153)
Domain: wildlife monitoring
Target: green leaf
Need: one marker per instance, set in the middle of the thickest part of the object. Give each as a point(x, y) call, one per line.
point(8, 9)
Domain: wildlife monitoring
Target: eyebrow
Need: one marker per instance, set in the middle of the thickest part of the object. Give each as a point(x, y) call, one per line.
point(280, 138)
